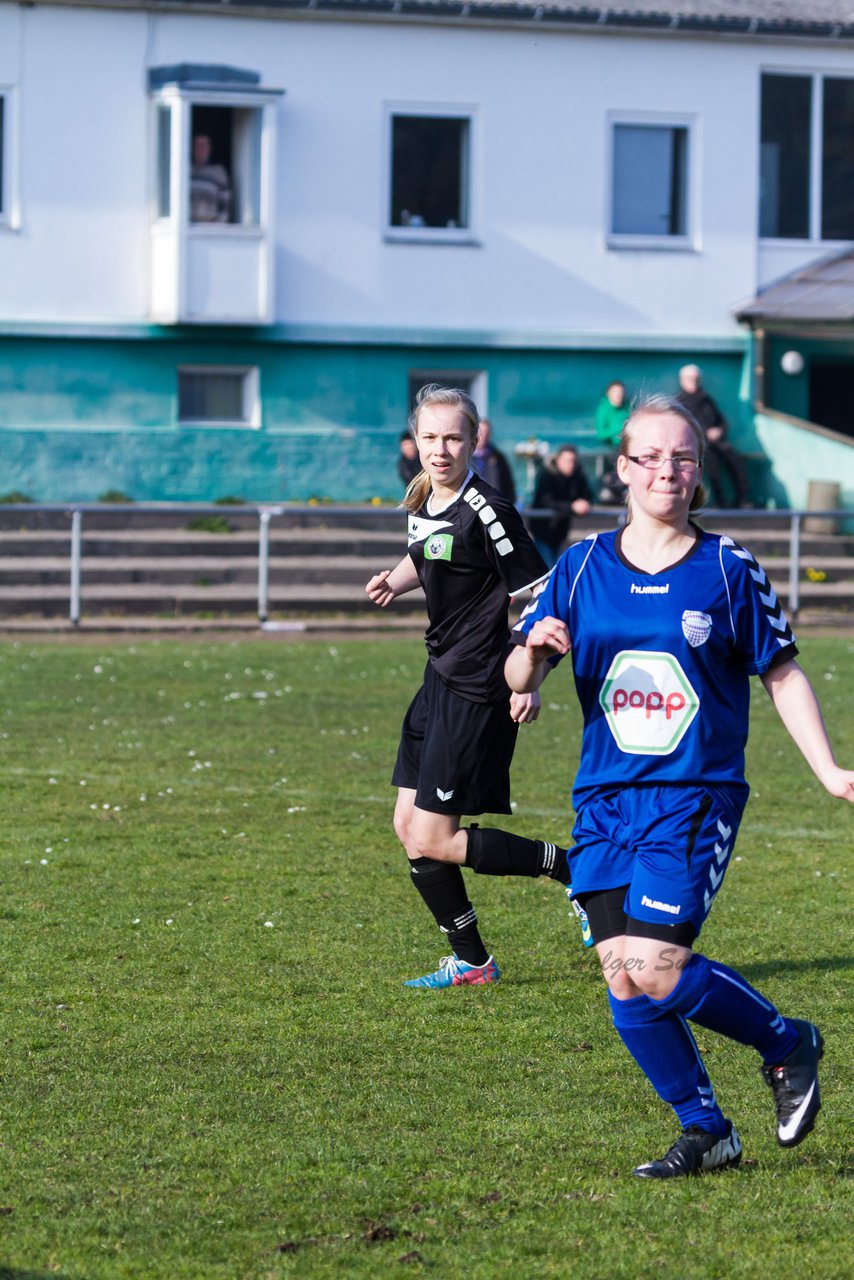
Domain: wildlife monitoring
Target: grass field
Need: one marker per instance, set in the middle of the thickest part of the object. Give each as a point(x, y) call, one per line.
point(210, 1069)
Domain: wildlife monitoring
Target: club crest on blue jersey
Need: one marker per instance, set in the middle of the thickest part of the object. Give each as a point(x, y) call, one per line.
point(696, 627)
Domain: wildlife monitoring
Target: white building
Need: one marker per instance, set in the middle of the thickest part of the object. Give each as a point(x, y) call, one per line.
point(530, 199)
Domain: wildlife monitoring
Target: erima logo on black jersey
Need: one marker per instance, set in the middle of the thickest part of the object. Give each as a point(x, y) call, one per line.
point(487, 514)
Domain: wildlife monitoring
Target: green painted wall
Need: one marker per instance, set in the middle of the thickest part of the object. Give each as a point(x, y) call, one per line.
point(80, 415)
point(801, 456)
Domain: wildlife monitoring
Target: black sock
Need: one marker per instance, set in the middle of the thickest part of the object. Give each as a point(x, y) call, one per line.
point(443, 889)
point(499, 853)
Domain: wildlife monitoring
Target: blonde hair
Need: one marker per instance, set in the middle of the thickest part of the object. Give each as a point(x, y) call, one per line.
point(432, 394)
point(654, 406)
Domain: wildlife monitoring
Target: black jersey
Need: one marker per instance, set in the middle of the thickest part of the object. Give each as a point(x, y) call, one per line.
point(471, 557)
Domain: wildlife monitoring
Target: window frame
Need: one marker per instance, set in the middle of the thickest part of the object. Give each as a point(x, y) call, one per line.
point(817, 78)
point(469, 235)
point(689, 240)
point(251, 396)
point(10, 216)
point(478, 379)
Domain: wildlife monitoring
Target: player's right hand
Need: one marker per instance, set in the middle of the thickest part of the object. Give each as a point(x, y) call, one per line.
point(378, 589)
point(547, 637)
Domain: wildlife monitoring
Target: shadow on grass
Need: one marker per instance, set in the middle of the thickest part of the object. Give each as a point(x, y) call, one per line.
point(770, 968)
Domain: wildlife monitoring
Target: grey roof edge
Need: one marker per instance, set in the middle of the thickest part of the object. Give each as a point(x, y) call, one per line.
point(503, 13)
point(763, 308)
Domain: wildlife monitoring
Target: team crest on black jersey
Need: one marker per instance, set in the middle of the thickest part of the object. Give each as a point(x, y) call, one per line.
point(439, 547)
point(767, 595)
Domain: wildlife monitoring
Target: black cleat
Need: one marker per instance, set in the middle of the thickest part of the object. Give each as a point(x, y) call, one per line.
point(795, 1086)
point(695, 1151)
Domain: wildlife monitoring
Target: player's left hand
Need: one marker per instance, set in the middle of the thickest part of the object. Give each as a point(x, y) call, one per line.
point(524, 707)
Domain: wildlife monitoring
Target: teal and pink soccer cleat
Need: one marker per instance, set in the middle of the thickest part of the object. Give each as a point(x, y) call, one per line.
point(457, 973)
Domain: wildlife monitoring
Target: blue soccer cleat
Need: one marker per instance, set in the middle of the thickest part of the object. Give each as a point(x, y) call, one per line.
point(586, 935)
point(457, 973)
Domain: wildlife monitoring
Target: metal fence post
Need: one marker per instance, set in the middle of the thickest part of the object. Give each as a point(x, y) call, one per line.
point(76, 542)
point(794, 563)
point(263, 564)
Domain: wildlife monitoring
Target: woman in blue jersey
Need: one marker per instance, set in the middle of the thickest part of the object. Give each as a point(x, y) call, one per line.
point(471, 553)
point(666, 624)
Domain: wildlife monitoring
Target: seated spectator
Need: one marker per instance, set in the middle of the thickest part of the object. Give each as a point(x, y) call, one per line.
point(561, 487)
point(611, 413)
point(491, 464)
point(721, 459)
point(210, 185)
point(409, 463)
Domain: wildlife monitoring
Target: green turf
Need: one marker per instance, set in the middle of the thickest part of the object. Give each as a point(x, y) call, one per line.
point(210, 1068)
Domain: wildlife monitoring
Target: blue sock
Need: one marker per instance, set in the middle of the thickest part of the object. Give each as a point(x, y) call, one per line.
point(664, 1049)
point(718, 998)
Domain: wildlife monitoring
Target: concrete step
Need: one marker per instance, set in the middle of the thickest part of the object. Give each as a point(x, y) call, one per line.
point(157, 598)
point(202, 571)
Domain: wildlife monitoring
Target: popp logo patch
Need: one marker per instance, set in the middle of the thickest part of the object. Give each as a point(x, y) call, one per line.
point(648, 702)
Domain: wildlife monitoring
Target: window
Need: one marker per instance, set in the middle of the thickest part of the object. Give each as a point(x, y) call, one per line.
point(806, 178)
point(225, 165)
point(2, 155)
point(472, 381)
point(649, 182)
point(429, 187)
point(218, 397)
point(6, 217)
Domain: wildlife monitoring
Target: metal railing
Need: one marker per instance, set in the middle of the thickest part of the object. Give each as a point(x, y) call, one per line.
point(266, 513)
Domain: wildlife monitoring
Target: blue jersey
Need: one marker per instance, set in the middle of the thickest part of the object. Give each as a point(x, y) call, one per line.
point(661, 661)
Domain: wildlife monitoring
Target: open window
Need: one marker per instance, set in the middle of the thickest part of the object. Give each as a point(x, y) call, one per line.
point(212, 226)
point(429, 178)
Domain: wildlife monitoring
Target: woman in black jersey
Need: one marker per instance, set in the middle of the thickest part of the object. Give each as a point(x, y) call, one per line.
point(471, 553)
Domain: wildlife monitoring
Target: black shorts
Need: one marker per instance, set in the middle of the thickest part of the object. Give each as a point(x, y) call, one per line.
point(455, 754)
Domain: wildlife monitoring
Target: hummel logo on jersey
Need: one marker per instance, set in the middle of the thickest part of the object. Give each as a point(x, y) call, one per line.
point(661, 906)
point(650, 591)
point(444, 795)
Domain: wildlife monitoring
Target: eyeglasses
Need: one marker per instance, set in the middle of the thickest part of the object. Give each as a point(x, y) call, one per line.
point(655, 461)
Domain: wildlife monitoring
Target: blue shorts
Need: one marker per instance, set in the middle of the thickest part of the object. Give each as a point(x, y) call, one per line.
point(669, 845)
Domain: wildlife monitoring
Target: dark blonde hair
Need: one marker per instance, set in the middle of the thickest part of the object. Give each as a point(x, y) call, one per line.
point(654, 406)
point(433, 394)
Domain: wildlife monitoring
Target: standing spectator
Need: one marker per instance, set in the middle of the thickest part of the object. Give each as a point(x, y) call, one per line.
point(561, 486)
point(611, 414)
point(210, 185)
point(491, 464)
point(720, 456)
point(408, 463)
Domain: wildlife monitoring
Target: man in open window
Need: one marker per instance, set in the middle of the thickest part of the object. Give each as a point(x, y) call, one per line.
point(210, 185)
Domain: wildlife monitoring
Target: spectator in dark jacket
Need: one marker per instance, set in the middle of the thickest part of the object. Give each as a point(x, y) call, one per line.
point(723, 469)
point(408, 462)
point(491, 464)
point(562, 487)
